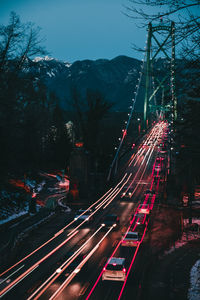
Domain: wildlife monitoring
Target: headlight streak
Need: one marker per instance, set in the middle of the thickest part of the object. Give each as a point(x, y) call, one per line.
point(110, 199)
point(141, 149)
point(113, 191)
point(27, 272)
point(137, 174)
point(146, 141)
point(107, 198)
point(73, 274)
point(63, 267)
point(58, 233)
point(113, 196)
point(119, 190)
point(138, 153)
point(55, 235)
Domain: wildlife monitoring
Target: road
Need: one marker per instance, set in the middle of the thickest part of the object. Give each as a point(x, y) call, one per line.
point(46, 273)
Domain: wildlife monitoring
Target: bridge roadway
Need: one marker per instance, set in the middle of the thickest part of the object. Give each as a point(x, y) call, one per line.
point(30, 274)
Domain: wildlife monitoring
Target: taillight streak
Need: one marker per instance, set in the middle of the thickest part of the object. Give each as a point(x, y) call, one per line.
point(115, 250)
point(133, 259)
point(91, 291)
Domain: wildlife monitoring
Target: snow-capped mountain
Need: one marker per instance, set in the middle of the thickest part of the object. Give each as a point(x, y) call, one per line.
point(115, 79)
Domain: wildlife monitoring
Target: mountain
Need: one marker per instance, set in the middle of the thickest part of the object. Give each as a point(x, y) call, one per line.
point(116, 79)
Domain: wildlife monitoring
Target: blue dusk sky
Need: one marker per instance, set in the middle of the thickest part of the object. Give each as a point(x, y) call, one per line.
point(80, 29)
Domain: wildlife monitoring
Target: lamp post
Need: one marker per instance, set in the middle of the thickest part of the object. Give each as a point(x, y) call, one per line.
point(139, 126)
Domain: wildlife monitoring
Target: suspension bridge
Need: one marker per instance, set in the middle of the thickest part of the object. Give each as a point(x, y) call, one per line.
point(160, 100)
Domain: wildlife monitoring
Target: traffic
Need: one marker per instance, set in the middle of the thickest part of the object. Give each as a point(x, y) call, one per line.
point(102, 245)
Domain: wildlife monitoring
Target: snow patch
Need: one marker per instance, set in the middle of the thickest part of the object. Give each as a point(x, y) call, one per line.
point(187, 236)
point(194, 290)
point(46, 58)
point(68, 65)
point(51, 74)
point(14, 216)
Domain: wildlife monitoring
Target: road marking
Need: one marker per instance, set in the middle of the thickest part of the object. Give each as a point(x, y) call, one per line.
point(18, 282)
point(12, 274)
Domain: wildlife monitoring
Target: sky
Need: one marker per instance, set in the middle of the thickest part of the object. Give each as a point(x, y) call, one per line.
point(80, 29)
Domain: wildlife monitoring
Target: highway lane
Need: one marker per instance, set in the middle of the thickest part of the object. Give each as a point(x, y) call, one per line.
point(113, 291)
point(67, 291)
point(129, 208)
point(17, 270)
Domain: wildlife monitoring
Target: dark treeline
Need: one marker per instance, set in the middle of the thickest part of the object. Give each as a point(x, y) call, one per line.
point(33, 130)
point(32, 126)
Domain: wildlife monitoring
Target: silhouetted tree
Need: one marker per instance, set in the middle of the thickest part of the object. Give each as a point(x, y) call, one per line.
point(187, 141)
point(18, 96)
point(90, 113)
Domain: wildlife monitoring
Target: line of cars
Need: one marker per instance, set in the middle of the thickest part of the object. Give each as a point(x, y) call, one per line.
point(115, 268)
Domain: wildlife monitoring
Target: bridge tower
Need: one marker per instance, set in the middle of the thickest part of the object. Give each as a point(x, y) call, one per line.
point(161, 38)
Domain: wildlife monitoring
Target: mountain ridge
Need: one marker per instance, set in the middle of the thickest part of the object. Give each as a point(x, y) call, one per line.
point(115, 79)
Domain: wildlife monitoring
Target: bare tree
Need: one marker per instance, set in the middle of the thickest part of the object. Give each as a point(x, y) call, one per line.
point(19, 41)
point(10, 37)
point(186, 14)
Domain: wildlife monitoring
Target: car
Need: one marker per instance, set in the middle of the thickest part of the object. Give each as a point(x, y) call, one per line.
point(144, 209)
point(161, 157)
point(110, 220)
point(185, 199)
point(83, 215)
point(140, 218)
point(126, 195)
point(149, 192)
point(115, 269)
point(157, 168)
point(163, 150)
point(158, 159)
point(132, 239)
